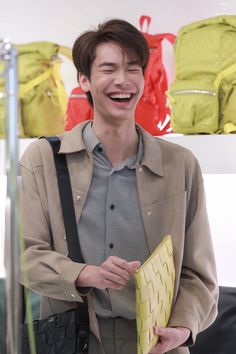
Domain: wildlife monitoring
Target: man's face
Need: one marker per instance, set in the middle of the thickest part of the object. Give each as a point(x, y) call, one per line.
point(116, 83)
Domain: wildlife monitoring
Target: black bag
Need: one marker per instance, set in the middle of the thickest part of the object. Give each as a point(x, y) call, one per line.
point(66, 332)
point(220, 337)
point(60, 333)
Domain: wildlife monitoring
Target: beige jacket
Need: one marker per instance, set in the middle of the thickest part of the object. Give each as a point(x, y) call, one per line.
point(172, 202)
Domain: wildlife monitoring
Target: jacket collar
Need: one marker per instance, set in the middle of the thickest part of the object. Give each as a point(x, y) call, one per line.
point(152, 157)
point(72, 141)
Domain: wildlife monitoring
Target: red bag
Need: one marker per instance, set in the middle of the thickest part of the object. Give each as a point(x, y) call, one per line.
point(152, 112)
point(78, 109)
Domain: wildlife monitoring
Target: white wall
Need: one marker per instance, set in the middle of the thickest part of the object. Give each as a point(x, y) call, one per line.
point(221, 199)
point(62, 21)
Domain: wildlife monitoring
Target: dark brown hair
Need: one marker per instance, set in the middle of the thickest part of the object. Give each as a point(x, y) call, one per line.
point(116, 30)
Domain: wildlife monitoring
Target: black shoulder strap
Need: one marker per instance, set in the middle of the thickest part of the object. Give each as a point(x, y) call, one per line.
point(66, 197)
point(68, 212)
point(69, 218)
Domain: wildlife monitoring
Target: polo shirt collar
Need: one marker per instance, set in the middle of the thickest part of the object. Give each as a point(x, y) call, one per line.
point(90, 139)
point(91, 142)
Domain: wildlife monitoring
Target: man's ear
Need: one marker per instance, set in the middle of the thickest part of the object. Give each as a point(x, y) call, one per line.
point(84, 82)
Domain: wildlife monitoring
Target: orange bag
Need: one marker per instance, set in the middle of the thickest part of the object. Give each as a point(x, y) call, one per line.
point(78, 109)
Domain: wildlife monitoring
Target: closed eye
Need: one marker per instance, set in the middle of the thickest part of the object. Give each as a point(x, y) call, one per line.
point(134, 69)
point(107, 68)
point(108, 71)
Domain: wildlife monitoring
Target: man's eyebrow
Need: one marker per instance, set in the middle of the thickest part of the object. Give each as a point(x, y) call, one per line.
point(107, 63)
point(113, 65)
point(133, 62)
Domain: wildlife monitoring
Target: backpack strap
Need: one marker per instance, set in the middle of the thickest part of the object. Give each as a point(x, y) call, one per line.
point(228, 127)
point(53, 71)
point(24, 88)
point(66, 51)
point(224, 20)
point(143, 19)
point(223, 74)
point(156, 80)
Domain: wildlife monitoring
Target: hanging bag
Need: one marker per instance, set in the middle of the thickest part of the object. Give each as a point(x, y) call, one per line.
point(152, 112)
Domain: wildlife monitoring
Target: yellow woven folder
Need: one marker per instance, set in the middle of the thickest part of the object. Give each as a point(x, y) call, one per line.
point(154, 294)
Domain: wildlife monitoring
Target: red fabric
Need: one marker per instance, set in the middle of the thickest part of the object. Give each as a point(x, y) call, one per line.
point(78, 109)
point(151, 111)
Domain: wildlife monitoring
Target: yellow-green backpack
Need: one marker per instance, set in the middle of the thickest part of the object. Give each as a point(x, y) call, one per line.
point(42, 95)
point(203, 95)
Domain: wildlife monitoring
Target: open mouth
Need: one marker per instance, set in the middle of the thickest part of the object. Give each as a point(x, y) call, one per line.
point(121, 97)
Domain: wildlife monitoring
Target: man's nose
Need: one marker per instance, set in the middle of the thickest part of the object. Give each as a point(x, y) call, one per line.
point(122, 79)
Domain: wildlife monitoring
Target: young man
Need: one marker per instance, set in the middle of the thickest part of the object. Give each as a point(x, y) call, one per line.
point(130, 189)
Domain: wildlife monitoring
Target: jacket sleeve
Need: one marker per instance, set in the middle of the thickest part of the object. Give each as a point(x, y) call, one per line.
point(44, 261)
point(196, 303)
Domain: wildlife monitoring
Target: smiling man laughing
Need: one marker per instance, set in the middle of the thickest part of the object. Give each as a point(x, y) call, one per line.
point(130, 190)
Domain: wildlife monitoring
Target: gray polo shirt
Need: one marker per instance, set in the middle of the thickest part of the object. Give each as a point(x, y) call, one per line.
point(111, 223)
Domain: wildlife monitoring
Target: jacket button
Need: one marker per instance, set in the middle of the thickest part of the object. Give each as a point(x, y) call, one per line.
point(149, 213)
point(140, 169)
point(78, 197)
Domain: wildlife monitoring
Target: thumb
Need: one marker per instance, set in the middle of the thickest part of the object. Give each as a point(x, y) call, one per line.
point(159, 331)
point(134, 265)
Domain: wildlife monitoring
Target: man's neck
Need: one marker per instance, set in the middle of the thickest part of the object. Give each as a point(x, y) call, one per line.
point(119, 142)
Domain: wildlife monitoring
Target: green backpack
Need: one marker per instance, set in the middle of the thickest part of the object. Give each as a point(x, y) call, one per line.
point(42, 95)
point(203, 95)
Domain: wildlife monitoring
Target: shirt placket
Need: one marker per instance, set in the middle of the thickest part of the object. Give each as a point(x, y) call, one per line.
point(110, 214)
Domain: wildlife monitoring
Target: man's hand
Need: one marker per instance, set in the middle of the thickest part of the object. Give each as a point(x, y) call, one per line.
point(169, 338)
point(114, 273)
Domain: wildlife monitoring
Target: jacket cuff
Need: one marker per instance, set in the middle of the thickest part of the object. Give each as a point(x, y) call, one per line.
point(68, 278)
point(187, 320)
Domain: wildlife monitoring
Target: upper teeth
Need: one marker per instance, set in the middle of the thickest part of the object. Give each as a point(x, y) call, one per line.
point(120, 95)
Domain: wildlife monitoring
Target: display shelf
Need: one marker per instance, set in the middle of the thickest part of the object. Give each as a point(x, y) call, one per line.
point(215, 153)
